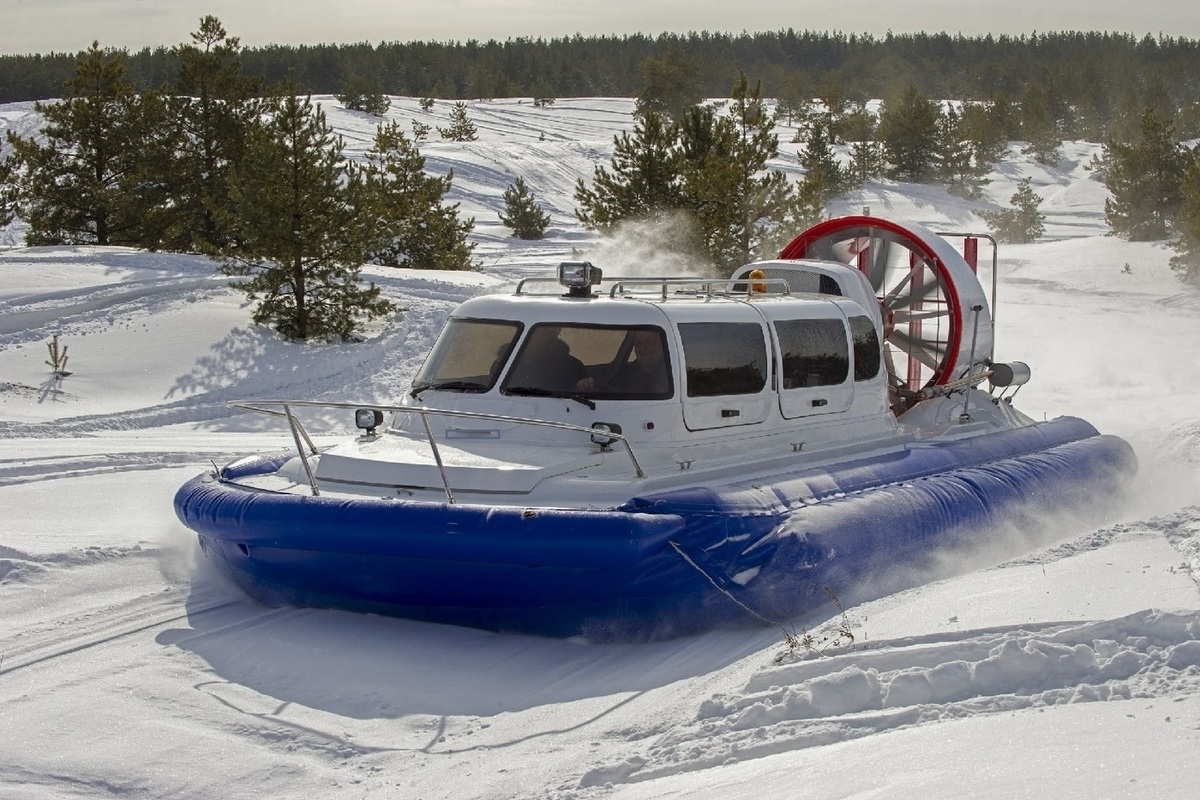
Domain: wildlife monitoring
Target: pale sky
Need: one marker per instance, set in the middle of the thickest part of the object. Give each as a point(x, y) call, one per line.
point(43, 26)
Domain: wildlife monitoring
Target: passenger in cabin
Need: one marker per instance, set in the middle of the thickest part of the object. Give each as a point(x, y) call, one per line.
point(647, 372)
point(566, 369)
point(549, 363)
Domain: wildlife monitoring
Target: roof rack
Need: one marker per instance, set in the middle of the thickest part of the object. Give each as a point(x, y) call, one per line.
point(559, 289)
point(700, 287)
point(666, 288)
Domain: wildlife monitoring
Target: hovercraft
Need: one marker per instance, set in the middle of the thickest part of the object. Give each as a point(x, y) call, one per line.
point(640, 458)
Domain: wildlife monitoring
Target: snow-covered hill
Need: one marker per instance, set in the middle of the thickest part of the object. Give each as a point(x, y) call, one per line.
point(128, 669)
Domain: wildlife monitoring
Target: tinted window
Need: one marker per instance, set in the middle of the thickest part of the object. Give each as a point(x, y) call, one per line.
point(814, 351)
point(592, 361)
point(545, 362)
point(867, 355)
point(468, 355)
point(724, 358)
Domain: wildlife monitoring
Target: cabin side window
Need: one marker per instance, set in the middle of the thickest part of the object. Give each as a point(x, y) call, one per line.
point(468, 355)
point(814, 352)
point(724, 358)
point(868, 354)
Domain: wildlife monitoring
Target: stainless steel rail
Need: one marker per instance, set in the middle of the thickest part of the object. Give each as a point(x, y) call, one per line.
point(300, 435)
point(705, 287)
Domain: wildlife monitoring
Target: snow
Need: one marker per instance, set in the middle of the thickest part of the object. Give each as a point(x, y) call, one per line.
point(129, 668)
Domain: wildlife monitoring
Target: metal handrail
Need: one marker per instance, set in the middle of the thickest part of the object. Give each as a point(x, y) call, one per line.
point(710, 286)
point(299, 433)
point(537, 279)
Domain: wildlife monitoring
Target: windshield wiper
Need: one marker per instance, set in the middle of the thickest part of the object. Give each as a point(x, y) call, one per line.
point(450, 386)
point(537, 391)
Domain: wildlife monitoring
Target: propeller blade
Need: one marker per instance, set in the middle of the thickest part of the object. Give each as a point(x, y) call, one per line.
point(916, 316)
point(929, 287)
point(878, 253)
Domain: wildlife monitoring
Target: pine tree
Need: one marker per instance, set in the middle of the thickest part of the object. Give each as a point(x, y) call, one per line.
point(420, 131)
point(461, 128)
point(1187, 121)
point(215, 105)
point(670, 85)
point(643, 180)
point(984, 128)
point(823, 175)
point(908, 135)
point(958, 163)
point(1187, 223)
point(155, 187)
point(8, 190)
point(832, 94)
point(1005, 117)
point(737, 202)
point(522, 213)
point(1023, 222)
point(1094, 107)
point(81, 183)
point(1145, 178)
point(858, 124)
point(795, 95)
point(417, 229)
point(1128, 108)
point(866, 163)
point(1040, 122)
point(866, 156)
point(364, 94)
point(301, 228)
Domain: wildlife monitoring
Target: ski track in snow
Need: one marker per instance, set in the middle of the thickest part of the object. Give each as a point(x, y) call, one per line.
point(240, 366)
point(889, 685)
point(830, 693)
point(1181, 529)
point(15, 471)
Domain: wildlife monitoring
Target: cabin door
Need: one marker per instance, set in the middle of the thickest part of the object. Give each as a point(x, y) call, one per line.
point(814, 359)
point(726, 379)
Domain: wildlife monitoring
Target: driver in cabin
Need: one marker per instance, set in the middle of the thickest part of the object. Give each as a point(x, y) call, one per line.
point(557, 370)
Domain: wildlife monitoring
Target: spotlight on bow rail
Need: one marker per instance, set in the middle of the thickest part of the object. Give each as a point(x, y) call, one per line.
point(601, 433)
point(368, 419)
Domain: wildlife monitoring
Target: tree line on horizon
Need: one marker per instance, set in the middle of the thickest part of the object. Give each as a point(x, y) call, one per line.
point(1095, 78)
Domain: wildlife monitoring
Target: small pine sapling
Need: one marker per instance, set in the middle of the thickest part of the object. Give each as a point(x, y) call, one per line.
point(58, 358)
point(522, 213)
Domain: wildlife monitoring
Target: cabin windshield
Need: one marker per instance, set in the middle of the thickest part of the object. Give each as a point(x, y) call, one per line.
point(594, 362)
point(468, 356)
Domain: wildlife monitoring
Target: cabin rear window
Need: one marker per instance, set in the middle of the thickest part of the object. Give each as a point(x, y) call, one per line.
point(867, 352)
point(724, 358)
point(814, 352)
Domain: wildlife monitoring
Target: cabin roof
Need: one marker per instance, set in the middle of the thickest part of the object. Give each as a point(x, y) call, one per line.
point(647, 307)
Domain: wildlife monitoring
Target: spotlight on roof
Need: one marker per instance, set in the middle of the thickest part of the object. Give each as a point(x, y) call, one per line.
point(579, 277)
